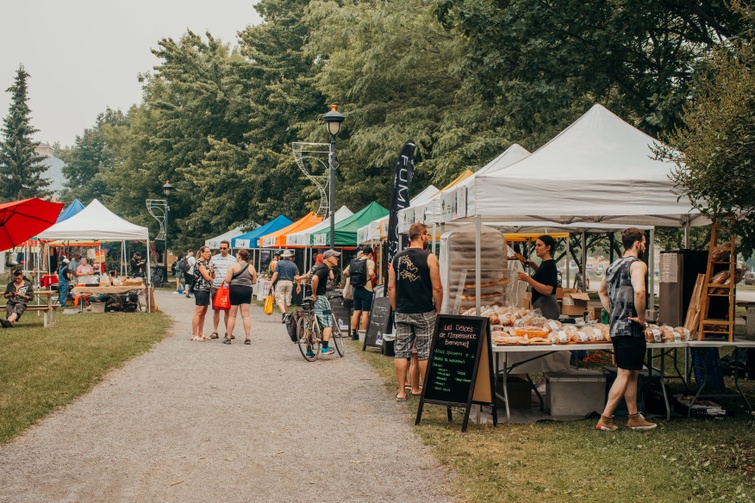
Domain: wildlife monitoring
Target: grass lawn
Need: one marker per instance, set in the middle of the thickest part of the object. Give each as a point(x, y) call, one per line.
point(682, 460)
point(43, 369)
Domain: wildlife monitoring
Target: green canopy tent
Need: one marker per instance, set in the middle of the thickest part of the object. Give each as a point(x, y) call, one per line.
point(346, 229)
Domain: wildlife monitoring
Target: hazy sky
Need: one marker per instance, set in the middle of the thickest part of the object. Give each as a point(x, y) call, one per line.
point(84, 55)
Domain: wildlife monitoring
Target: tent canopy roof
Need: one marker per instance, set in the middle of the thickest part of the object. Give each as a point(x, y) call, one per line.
point(95, 223)
point(346, 229)
point(75, 207)
point(252, 236)
point(278, 238)
point(214, 243)
point(303, 238)
point(598, 169)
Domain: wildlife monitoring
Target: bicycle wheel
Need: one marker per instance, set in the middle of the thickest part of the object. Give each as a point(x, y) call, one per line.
point(336, 337)
point(308, 339)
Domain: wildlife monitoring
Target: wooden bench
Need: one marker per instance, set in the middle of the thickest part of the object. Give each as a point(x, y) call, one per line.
point(50, 311)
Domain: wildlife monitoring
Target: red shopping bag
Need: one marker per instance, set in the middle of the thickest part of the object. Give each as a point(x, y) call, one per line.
point(222, 300)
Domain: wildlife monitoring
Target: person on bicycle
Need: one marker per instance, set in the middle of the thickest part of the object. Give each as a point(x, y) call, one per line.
point(321, 302)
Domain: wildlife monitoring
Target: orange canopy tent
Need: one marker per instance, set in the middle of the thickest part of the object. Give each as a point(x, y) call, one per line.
point(277, 239)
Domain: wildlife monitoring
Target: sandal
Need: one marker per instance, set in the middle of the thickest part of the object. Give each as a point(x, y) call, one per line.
point(248, 342)
point(226, 340)
point(214, 335)
point(399, 399)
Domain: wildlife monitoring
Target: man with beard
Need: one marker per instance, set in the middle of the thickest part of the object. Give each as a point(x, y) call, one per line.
point(622, 293)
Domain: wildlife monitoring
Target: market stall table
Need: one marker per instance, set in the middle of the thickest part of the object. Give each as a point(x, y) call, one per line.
point(108, 290)
point(736, 345)
point(547, 349)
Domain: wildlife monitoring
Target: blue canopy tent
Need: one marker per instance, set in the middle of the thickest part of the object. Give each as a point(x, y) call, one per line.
point(250, 240)
point(70, 211)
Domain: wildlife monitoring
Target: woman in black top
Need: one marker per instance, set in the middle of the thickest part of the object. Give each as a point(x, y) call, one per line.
point(545, 279)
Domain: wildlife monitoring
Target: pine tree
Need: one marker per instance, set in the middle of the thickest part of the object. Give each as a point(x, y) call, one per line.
point(21, 168)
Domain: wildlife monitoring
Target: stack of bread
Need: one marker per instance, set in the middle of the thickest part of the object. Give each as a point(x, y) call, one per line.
point(666, 333)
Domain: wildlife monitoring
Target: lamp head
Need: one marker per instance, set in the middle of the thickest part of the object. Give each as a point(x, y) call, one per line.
point(167, 188)
point(333, 120)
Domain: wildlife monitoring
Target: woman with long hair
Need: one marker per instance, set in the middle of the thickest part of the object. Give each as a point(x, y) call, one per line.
point(544, 281)
point(203, 282)
point(240, 278)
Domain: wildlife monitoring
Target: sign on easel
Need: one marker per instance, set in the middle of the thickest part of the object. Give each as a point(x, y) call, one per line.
point(459, 370)
point(380, 323)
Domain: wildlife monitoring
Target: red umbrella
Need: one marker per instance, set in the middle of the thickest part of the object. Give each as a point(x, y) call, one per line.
point(21, 220)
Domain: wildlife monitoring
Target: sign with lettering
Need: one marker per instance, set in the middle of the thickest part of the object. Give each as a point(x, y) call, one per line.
point(380, 323)
point(459, 370)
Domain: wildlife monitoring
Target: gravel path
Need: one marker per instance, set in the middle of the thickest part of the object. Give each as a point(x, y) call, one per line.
point(192, 421)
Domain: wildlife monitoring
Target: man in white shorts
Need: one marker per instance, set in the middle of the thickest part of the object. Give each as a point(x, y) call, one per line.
point(283, 279)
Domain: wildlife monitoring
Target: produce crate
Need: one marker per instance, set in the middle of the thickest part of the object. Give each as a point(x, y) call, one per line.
point(575, 393)
point(520, 393)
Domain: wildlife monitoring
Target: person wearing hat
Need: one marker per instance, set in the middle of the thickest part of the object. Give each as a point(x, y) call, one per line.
point(321, 303)
point(64, 276)
point(283, 279)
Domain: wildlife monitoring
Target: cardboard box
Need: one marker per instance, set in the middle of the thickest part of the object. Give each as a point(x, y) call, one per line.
point(575, 393)
point(574, 303)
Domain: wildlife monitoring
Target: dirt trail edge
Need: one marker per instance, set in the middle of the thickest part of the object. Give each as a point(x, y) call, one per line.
point(193, 421)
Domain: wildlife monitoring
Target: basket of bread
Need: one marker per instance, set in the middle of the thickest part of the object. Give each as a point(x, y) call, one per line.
point(666, 333)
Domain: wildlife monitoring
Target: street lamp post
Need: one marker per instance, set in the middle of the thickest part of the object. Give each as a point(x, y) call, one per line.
point(333, 120)
point(159, 209)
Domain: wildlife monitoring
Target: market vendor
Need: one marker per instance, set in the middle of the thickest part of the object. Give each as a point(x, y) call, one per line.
point(84, 269)
point(544, 281)
point(18, 293)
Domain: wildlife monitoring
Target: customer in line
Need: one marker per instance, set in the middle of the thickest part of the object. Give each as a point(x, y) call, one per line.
point(283, 279)
point(240, 277)
point(202, 285)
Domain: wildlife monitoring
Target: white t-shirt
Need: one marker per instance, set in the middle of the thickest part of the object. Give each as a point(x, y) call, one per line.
point(221, 265)
point(190, 261)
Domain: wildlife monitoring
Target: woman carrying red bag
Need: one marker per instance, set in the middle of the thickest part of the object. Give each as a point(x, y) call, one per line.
point(241, 277)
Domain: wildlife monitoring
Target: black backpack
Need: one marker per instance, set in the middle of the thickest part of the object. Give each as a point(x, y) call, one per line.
point(358, 272)
point(183, 265)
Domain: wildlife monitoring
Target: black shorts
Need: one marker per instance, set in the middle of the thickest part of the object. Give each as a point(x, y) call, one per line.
point(188, 278)
point(201, 297)
point(241, 295)
point(629, 352)
point(362, 299)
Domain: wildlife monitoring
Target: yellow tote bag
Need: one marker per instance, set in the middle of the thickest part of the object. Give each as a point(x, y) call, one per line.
point(269, 304)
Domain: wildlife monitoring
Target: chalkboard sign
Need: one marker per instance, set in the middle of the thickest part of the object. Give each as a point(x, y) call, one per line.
point(380, 323)
point(341, 314)
point(459, 370)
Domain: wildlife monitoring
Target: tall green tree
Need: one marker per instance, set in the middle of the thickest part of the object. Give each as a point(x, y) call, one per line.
point(715, 148)
point(536, 58)
point(21, 168)
point(89, 157)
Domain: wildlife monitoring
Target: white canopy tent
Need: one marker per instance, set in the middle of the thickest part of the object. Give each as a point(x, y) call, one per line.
point(599, 169)
point(378, 229)
point(97, 223)
point(214, 243)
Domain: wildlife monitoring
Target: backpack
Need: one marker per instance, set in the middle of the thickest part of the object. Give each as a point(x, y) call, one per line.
point(358, 272)
point(290, 322)
point(183, 265)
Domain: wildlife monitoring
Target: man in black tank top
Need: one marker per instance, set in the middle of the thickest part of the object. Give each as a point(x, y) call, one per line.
point(622, 293)
point(416, 294)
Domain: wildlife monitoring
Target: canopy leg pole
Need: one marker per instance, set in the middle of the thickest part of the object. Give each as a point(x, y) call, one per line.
point(478, 263)
point(568, 259)
point(686, 234)
point(584, 261)
point(149, 279)
point(651, 271)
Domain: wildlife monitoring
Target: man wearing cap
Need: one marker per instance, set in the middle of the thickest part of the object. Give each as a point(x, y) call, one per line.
point(64, 276)
point(284, 275)
point(322, 304)
point(362, 294)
